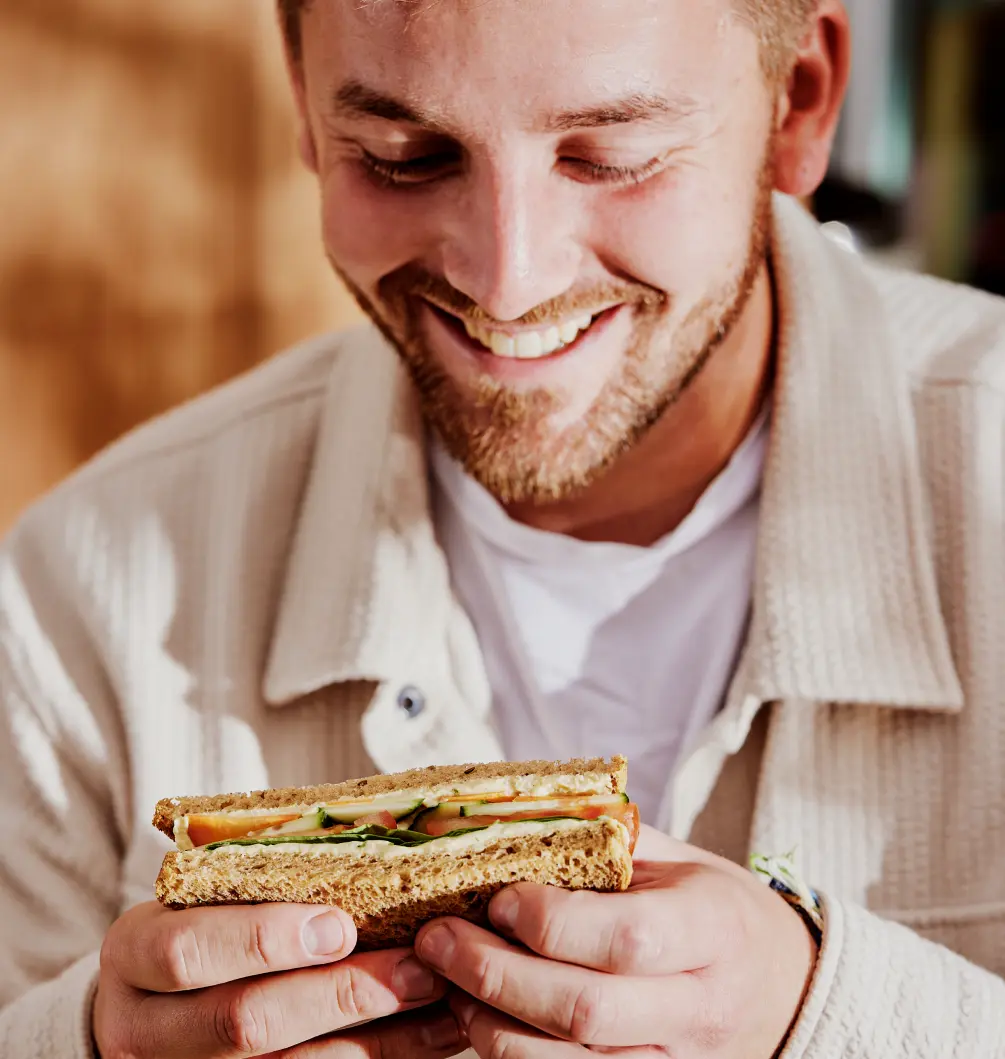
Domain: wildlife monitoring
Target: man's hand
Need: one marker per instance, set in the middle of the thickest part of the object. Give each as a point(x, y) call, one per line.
point(697, 959)
point(215, 983)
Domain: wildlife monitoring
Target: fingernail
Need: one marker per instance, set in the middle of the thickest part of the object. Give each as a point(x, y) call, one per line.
point(443, 1033)
point(412, 980)
point(324, 935)
point(503, 910)
point(437, 946)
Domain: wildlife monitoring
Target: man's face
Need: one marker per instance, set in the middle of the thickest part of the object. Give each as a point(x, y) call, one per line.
point(555, 209)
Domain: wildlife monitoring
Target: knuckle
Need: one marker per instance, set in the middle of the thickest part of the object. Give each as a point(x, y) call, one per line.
point(588, 1016)
point(118, 944)
point(490, 981)
point(549, 931)
point(110, 956)
point(241, 1022)
point(354, 995)
point(633, 948)
point(263, 944)
point(179, 956)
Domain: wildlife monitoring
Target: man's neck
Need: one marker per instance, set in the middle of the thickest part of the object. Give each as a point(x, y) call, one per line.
point(652, 488)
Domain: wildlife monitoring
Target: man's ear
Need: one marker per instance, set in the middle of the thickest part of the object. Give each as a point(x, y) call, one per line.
point(810, 103)
point(306, 144)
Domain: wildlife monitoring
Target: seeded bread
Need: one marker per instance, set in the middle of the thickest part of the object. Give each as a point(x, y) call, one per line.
point(611, 776)
point(389, 898)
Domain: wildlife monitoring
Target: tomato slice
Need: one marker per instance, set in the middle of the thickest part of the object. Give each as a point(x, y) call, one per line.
point(627, 814)
point(218, 827)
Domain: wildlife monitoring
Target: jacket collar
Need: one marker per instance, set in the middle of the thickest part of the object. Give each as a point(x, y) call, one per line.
point(367, 586)
point(846, 608)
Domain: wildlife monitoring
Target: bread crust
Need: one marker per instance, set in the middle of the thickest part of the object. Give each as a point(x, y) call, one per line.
point(170, 809)
point(390, 898)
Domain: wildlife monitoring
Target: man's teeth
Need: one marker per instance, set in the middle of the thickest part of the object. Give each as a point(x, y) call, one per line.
point(529, 345)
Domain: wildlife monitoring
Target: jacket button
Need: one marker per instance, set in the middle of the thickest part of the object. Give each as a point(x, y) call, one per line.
point(411, 701)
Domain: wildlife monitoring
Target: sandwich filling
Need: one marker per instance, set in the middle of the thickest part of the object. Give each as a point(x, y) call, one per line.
point(403, 820)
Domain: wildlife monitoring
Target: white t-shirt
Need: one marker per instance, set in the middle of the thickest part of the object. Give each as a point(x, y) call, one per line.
point(596, 649)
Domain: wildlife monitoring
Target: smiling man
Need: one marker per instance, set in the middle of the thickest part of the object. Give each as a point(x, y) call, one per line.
point(632, 460)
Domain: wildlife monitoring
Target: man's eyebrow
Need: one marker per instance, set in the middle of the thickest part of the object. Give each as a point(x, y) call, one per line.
point(356, 100)
point(632, 108)
point(353, 99)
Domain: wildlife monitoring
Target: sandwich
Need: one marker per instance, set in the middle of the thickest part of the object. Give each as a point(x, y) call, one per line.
point(397, 851)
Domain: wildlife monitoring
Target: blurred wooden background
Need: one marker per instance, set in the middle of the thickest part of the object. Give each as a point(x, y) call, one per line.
point(158, 234)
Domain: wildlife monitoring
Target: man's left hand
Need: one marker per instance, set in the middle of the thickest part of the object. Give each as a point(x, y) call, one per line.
point(698, 959)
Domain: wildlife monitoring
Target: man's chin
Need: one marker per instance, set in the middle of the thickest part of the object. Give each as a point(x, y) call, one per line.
point(526, 460)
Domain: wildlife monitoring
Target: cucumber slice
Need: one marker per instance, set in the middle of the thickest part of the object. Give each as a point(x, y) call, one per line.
point(545, 805)
point(308, 822)
point(350, 812)
point(548, 807)
point(346, 813)
point(426, 814)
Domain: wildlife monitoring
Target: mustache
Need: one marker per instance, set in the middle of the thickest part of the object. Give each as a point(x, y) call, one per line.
point(414, 281)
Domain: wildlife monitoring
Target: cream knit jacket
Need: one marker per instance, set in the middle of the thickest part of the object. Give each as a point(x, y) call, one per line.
point(236, 597)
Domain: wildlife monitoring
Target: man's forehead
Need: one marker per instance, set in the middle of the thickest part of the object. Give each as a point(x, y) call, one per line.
point(413, 24)
point(555, 58)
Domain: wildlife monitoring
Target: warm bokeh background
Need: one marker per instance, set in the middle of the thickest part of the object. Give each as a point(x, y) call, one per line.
point(158, 235)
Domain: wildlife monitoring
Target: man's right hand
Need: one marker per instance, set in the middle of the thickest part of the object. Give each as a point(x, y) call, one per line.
point(257, 980)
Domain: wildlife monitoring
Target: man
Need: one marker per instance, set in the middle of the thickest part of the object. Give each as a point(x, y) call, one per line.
point(665, 471)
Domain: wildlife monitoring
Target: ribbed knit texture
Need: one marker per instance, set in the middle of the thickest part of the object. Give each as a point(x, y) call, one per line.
point(237, 596)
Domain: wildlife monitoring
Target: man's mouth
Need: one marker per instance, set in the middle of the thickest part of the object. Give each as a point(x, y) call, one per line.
point(529, 345)
point(526, 343)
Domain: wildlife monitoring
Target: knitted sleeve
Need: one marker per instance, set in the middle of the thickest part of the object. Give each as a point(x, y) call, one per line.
point(881, 991)
point(60, 761)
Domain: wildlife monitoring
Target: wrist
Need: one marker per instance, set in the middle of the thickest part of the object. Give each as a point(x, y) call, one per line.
point(779, 874)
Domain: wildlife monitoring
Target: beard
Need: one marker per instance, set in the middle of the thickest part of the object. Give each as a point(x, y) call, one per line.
point(502, 435)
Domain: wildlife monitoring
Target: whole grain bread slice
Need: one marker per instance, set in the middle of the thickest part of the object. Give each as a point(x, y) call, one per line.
point(610, 776)
point(389, 899)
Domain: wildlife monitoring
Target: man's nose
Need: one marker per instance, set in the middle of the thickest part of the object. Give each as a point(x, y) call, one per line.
point(510, 245)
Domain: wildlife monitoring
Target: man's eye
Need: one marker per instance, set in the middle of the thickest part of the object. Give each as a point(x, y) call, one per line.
point(409, 172)
point(614, 174)
point(426, 169)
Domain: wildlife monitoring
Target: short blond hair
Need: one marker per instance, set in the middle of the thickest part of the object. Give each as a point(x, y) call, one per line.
point(780, 24)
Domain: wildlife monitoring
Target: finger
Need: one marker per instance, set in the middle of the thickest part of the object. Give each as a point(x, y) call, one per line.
point(163, 951)
point(683, 919)
point(572, 1003)
point(493, 1035)
point(430, 1035)
point(275, 1012)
